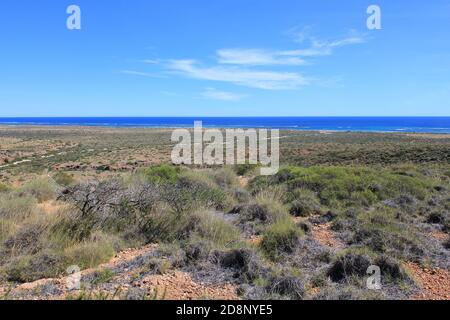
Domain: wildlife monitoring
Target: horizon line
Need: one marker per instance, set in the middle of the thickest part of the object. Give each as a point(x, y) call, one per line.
point(371, 116)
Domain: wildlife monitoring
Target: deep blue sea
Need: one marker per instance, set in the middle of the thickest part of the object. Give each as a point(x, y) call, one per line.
point(367, 124)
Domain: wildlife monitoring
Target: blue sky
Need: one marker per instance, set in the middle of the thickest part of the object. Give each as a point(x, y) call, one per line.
point(224, 58)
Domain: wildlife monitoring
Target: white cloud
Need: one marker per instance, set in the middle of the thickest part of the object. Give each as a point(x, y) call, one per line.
point(325, 48)
point(256, 57)
point(151, 61)
point(300, 34)
point(319, 47)
point(261, 57)
point(244, 66)
point(138, 73)
point(270, 80)
point(211, 93)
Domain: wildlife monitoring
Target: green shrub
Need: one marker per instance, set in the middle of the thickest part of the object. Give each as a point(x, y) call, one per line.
point(348, 185)
point(26, 241)
point(215, 228)
point(63, 179)
point(29, 268)
point(247, 263)
point(40, 188)
point(91, 253)
point(380, 231)
point(305, 204)
point(103, 276)
point(163, 174)
point(280, 238)
point(391, 269)
point(7, 228)
point(226, 178)
point(348, 265)
point(264, 210)
point(245, 169)
point(16, 207)
point(161, 225)
point(4, 188)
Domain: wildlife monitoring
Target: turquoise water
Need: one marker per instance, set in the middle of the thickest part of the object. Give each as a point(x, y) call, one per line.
point(367, 124)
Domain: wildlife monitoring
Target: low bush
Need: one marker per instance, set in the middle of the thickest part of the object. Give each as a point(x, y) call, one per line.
point(245, 169)
point(102, 276)
point(163, 174)
point(237, 259)
point(446, 244)
point(197, 249)
point(4, 188)
point(280, 238)
point(348, 265)
point(382, 232)
point(225, 178)
point(214, 228)
point(305, 204)
point(436, 218)
point(90, 253)
point(286, 286)
point(348, 293)
point(347, 185)
point(158, 266)
point(26, 241)
point(391, 271)
point(16, 207)
point(190, 193)
point(264, 210)
point(63, 179)
point(247, 264)
point(45, 264)
point(7, 229)
point(161, 225)
point(43, 189)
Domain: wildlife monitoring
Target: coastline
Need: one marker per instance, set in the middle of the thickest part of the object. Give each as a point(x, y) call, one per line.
point(164, 128)
point(432, 125)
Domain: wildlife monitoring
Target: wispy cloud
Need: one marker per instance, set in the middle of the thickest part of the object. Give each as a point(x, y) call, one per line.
point(319, 47)
point(261, 57)
point(139, 73)
point(270, 80)
point(151, 61)
point(214, 94)
point(258, 57)
point(256, 67)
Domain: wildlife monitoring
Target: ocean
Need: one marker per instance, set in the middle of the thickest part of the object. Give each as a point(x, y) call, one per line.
point(362, 124)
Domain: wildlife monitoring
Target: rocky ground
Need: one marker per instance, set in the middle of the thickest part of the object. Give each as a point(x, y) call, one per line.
point(118, 279)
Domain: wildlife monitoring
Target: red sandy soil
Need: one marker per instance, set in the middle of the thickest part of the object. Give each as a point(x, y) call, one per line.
point(244, 181)
point(322, 233)
point(174, 285)
point(439, 235)
point(180, 286)
point(435, 283)
point(325, 236)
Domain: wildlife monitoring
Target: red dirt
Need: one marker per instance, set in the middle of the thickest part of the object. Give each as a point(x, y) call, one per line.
point(439, 235)
point(435, 283)
point(180, 286)
point(173, 285)
point(325, 236)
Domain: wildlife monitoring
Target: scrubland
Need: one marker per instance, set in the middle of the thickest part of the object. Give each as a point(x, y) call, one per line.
point(341, 203)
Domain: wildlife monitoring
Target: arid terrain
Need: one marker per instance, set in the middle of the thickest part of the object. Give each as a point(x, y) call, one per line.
point(109, 201)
